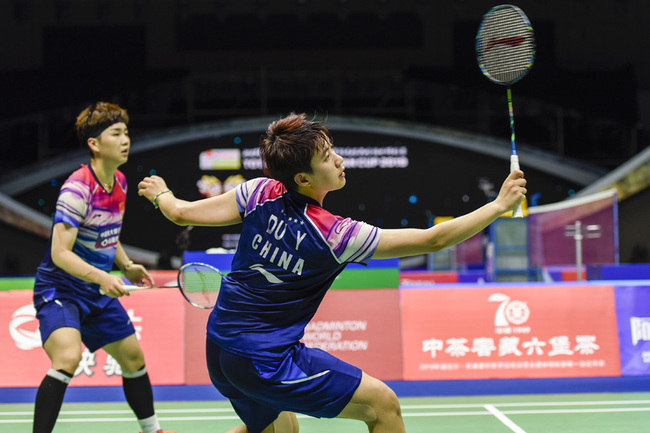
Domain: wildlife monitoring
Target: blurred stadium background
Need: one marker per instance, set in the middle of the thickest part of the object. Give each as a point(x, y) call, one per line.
point(393, 68)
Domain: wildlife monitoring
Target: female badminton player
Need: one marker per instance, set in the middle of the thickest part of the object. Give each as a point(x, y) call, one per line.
point(83, 248)
point(290, 251)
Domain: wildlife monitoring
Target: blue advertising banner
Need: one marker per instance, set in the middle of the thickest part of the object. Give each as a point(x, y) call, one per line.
point(633, 318)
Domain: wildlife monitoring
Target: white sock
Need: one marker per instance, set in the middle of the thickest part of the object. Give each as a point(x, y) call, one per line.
point(149, 425)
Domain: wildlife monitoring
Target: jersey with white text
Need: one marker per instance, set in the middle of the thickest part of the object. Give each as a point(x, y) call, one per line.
point(84, 204)
point(289, 253)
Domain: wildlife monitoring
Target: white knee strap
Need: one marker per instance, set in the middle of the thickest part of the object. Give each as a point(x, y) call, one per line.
point(58, 376)
point(135, 374)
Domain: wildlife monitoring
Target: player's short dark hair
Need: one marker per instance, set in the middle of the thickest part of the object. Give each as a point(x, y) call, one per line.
point(97, 117)
point(289, 144)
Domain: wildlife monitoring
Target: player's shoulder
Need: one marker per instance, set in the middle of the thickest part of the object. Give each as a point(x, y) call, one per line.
point(82, 173)
point(81, 178)
point(324, 219)
point(262, 189)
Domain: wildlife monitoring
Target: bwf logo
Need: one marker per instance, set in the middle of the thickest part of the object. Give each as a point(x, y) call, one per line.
point(640, 329)
point(509, 311)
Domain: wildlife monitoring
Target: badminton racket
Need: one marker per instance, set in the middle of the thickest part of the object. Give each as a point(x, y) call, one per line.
point(199, 284)
point(505, 51)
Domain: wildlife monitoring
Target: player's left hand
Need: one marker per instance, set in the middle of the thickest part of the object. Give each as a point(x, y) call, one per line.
point(150, 186)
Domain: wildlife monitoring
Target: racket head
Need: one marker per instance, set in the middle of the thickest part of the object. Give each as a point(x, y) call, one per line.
point(505, 45)
point(200, 284)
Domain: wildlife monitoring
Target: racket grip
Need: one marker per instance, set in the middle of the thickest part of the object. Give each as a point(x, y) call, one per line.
point(514, 165)
point(127, 287)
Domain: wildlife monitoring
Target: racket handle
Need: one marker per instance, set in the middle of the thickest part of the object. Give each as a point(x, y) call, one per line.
point(127, 287)
point(132, 288)
point(514, 165)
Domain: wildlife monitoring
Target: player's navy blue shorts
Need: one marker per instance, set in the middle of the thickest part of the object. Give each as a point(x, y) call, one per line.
point(308, 381)
point(99, 321)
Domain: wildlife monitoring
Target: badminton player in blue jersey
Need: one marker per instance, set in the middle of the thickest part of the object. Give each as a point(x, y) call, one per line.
point(84, 246)
point(290, 251)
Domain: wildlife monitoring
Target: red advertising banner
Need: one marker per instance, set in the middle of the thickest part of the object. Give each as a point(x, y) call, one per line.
point(23, 362)
point(509, 332)
point(158, 317)
point(361, 327)
point(196, 370)
point(443, 333)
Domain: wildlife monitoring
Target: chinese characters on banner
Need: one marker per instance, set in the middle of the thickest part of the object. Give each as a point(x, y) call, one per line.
point(633, 314)
point(465, 332)
point(157, 315)
point(509, 332)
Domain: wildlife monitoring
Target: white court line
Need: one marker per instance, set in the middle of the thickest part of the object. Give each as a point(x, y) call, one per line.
point(557, 403)
point(131, 418)
point(122, 411)
point(504, 419)
point(404, 407)
point(92, 413)
point(624, 409)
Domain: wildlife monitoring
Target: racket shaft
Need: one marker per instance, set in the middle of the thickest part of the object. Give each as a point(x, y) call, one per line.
point(514, 165)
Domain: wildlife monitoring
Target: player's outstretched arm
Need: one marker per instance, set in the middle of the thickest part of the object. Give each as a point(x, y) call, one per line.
point(410, 242)
point(214, 211)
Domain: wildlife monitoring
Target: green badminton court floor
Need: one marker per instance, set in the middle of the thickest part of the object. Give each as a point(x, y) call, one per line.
point(539, 413)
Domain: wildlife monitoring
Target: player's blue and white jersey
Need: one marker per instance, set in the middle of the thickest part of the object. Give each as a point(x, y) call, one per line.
point(84, 204)
point(289, 253)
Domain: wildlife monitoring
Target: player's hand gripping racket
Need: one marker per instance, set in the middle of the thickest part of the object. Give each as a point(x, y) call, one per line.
point(198, 282)
point(505, 51)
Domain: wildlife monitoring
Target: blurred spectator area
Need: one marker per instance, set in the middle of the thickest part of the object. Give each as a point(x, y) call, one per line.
point(186, 61)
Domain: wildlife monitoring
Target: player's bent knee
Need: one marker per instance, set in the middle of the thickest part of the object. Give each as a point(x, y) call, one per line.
point(389, 403)
point(66, 360)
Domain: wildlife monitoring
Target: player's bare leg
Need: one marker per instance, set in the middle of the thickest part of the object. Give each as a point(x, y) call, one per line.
point(377, 405)
point(63, 347)
point(127, 352)
point(286, 422)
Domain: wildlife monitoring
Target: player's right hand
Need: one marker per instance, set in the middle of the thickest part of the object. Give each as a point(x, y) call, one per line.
point(513, 190)
point(113, 286)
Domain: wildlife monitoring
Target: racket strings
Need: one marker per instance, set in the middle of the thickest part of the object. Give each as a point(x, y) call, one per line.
point(198, 280)
point(506, 45)
point(200, 284)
